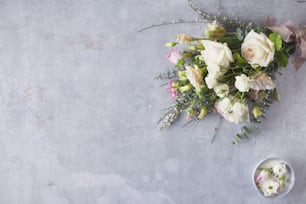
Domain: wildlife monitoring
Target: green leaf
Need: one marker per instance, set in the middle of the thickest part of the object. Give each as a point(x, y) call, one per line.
point(240, 60)
point(282, 178)
point(282, 60)
point(277, 40)
point(246, 129)
point(239, 136)
point(180, 63)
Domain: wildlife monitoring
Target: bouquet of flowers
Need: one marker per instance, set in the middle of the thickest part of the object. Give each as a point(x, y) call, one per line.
point(232, 70)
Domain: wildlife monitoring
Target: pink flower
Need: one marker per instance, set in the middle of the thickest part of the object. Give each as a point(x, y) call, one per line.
point(172, 90)
point(263, 175)
point(174, 56)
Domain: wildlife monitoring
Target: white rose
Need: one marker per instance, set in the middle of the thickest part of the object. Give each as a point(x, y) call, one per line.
point(195, 76)
point(269, 187)
point(257, 49)
point(279, 169)
point(243, 83)
point(221, 90)
point(216, 53)
point(211, 81)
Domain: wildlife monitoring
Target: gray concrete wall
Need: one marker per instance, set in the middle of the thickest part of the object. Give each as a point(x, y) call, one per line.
point(79, 106)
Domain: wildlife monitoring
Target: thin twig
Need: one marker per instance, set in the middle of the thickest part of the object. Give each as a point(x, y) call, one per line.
point(223, 19)
point(170, 23)
point(216, 130)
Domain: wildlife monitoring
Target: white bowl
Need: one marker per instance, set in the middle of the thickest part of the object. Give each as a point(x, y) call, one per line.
point(288, 186)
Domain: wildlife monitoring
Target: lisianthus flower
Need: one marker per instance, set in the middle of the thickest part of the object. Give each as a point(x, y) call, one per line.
point(174, 56)
point(261, 81)
point(224, 106)
point(183, 38)
point(243, 83)
point(263, 176)
point(173, 91)
point(240, 113)
point(232, 111)
point(210, 81)
point(214, 30)
point(195, 76)
point(257, 49)
point(221, 90)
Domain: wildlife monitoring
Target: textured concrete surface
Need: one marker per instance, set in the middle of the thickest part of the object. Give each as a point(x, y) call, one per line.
point(79, 107)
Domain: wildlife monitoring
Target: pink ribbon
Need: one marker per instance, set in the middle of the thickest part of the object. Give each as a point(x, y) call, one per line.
point(290, 32)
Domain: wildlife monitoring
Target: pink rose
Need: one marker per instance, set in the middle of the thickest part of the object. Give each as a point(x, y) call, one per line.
point(174, 56)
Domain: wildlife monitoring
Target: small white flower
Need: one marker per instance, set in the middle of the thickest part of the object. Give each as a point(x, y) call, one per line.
point(221, 90)
point(233, 112)
point(224, 106)
point(214, 70)
point(216, 53)
point(269, 187)
point(243, 83)
point(279, 169)
point(240, 113)
point(211, 81)
point(257, 49)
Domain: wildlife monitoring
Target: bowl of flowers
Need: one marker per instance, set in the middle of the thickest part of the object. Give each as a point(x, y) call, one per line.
point(273, 177)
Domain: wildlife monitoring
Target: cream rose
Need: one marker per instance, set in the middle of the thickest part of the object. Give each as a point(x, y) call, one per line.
point(257, 49)
point(195, 76)
point(216, 53)
point(243, 83)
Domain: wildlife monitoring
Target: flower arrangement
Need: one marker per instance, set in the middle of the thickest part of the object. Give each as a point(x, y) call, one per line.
point(231, 71)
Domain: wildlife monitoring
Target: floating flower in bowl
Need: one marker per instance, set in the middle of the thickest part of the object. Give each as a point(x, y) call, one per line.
point(273, 177)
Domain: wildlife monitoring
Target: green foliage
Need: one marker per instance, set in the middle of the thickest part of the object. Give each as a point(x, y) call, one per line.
point(239, 34)
point(281, 59)
point(167, 75)
point(282, 179)
point(245, 132)
point(277, 40)
point(240, 60)
point(180, 63)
